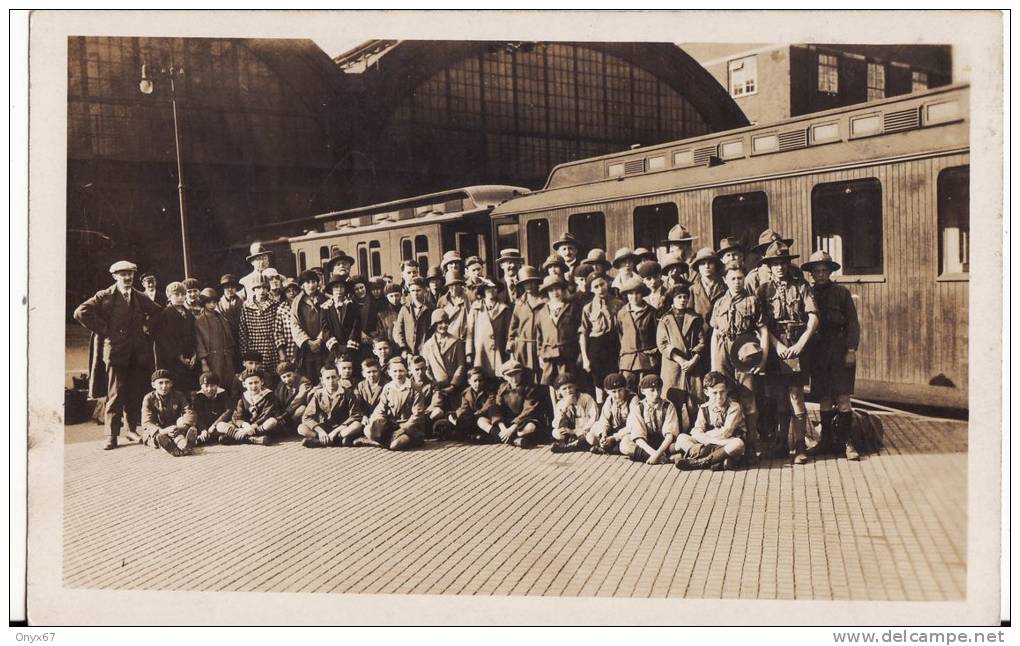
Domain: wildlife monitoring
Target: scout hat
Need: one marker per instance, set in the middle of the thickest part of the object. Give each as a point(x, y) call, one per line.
point(440, 316)
point(623, 253)
point(597, 258)
point(633, 284)
point(509, 255)
point(550, 282)
point(818, 259)
point(257, 250)
point(650, 381)
point(729, 243)
point(512, 366)
point(705, 255)
point(614, 381)
point(745, 353)
point(567, 238)
point(435, 273)
point(527, 274)
point(450, 256)
point(454, 277)
point(228, 280)
point(778, 251)
point(123, 265)
point(307, 276)
point(643, 254)
point(767, 237)
point(554, 260)
point(649, 268)
point(160, 374)
point(678, 233)
point(673, 259)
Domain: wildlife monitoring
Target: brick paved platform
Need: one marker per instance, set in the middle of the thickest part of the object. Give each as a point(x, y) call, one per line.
point(494, 520)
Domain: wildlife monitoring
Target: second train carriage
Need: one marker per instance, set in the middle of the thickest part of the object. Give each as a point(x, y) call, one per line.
point(883, 186)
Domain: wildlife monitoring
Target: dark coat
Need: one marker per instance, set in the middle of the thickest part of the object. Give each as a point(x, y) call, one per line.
point(637, 339)
point(175, 336)
point(515, 405)
point(342, 324)
point(211, 411)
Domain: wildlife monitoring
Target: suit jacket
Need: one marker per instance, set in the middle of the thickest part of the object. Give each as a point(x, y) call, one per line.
point(515, 405)
point(342, 323)
point(159, 412)
point(400, 403)
point(559, 335)
point(522, 337)
point(331, 410)
point(118, 332)
point(368, 394)
point(410, 330)
point(175, 336)
point(474, 403)
point(704, 300)
point(637, 338)
point(445, 358)
point(294, 396)
point(682, 332)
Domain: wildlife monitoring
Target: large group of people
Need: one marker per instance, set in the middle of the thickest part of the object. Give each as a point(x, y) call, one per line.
point(696, 358)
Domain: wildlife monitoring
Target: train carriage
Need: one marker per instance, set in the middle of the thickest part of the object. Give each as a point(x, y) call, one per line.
point(882, 186)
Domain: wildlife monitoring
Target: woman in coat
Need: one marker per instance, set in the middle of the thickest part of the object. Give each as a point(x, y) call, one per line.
point(488, 324)
point(214, 342)
point(681, 340)
point(522, 337)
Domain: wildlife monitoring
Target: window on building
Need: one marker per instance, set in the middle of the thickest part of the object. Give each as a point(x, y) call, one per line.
point(468, 244)
point(406, 249)
point(954, 220)
point(828, 73)
point(652, 223)
point(375, 252)
point(506, 237)
point(742, 215)
point(846, 221)
point(743, 73)
point(323, 256)
point(421, 252)
point(590, 231)
point(918, 81)
point(876, 81)
point(538, 241)
point(363, 266)
point(302, 261)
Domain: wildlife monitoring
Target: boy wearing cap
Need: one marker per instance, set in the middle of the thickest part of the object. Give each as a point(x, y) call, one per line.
point(557, 334)
point(120, 354)
point(168, 422)
point(256, 416)
point(657, 298)
point(599, 338)
point(342, 322)
point(715, 436)
point(214, 340)
point(250, 361)
point(611, 426)
point(386, 314)
point(149, 288)
point(333, 416)
point(258, 316)
point(791, 316)
point(652, 424)
point(488, 325)
point(455, 304)
point(575, 414)
point(522, 337)
point(308, 326)
point(514, 414)
point(581, 295)
point(173, 333)
point(292, 394)
point(680, 337)
point(639, 355)
point(469, 419)
point(413, 321)
point(212, 407)
point(398, 421)
point(833, 352)
point(554, 266)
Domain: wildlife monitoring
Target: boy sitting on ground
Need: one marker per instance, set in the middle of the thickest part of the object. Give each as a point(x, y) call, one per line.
point(716, 435)
point(370, 386)
point(256, 416)
point(515, 410)
point(575, 414)
point(652, 424)
point(611, 426)
point(212, 408)
point(398, 421)
point(167, 420)
point(333, 416)
point(292, 394)
point(469, 419)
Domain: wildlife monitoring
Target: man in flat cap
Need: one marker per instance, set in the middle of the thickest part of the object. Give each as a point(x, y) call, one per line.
point(119, 351)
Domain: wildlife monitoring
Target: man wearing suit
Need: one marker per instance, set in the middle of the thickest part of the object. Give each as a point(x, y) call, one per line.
point(260, 258)
point(116, 316)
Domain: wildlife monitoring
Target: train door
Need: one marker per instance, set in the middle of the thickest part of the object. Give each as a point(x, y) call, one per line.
point(538, 241)
point(590, 231)
point(504, 235)
point(742, 215)
point(652, 223)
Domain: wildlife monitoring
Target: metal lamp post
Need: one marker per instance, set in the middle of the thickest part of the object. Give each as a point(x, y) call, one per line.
point(146, 86)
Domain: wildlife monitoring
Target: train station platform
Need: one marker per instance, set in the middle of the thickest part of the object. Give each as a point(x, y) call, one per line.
point(494, 520)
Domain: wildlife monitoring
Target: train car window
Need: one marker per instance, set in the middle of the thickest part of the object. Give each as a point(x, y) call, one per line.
point(652, 223)
point(302, 261)
point(590, 231)
point(406, 249)
point(741, 215)
point(846, 221)
point(506, 237)
point(538, 241)
point(323, 256)
point(363, 260)
point(375, 251)
point(954, 220)
point(421, 252)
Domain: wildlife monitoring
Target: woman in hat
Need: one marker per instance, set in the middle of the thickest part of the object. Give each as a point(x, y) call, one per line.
point(456, 304)
point(445, 357)
point(436, 285)
point(624, 263)
point(599, 339)
point(173, 333)
point(488, 324)
point(308, 326)
point(675, 271)
point(214, 339)
point(833, 352)
point(259, 259)
point(644, 255)
point(522, 337)
point(636, 323)
point(559, 348)
point(596, 258)
point(283, 337)
point(554, 266)
point(342, 319)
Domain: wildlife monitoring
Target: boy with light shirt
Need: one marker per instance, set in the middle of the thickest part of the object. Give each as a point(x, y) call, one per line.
point(611, 426)
point(575, 414)
point(168, 422)
point(716, 435)
point(256, 416)
point(652, 425)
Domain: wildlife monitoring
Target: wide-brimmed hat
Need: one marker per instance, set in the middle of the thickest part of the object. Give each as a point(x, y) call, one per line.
point(439, 316)
point(489, 283)
point(509, 255)
point(552, 281)
point(257, 250)
point(818, 259)
point(705, 255)
point(767, 237)
point(307, 276)
point(623, 253)
point(729, 243)
point(227, 280)
point(435, 273)
point(745, 353)
point(566, 238)
point(339, 256)
point(269, 272)
point(678, 233)
point(644, 254)
point(450, 256)
point(123, 265)
point(649, 268)
point(512, 366)
point(554, 260)
point(527, 274)
point(454, 277)
point(674, 259)
point(634, 284)
point(597, 257)
point(778, 251)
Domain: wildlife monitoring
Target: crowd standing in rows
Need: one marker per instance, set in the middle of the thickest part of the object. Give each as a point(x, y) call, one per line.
point(700, 359)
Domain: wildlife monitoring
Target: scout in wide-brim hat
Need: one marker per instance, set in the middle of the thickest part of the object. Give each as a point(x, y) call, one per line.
point(597, 258)
point(450, 256)
point(673, 260)
point(820, 258)
point(678, 234)
point(777, 252)
point(566, 239)
point(634, 284)
point(435, 273)
point(551, 282)
point(257, 250)
point(649, 269)
point(642, 254)
point(705, 255)
point(454, 277)
point(554, 260)
point(729, 243)
point(623, 253)
point(746, 352)
point(767, 237)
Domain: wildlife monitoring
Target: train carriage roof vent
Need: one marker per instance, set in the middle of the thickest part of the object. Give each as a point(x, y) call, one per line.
point(634, 167)
point(704, 155)
point(902, 120)
point(792, 140)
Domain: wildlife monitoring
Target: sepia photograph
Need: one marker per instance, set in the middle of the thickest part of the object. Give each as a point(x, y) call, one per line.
point(450, 318)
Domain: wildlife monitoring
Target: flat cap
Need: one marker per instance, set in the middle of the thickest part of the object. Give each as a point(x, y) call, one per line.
point(123, 265)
